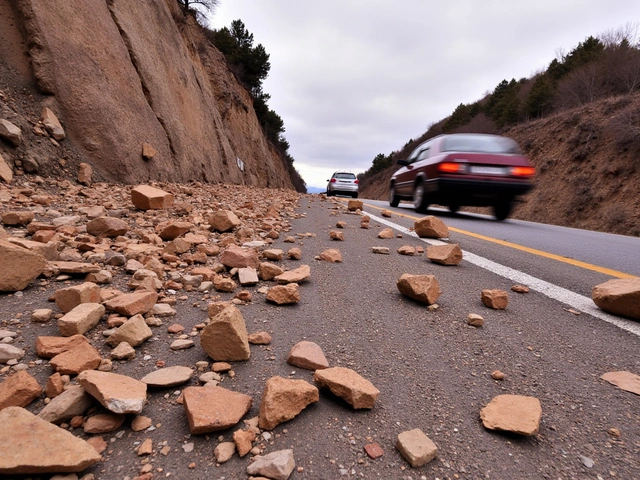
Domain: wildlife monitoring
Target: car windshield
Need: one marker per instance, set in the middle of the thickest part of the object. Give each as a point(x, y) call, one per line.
point(480, 144)
point(349, 176)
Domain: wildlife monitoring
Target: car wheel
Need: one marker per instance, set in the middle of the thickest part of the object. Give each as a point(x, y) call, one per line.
point(394, 200)
point(354, 195)
point(453, 208)
point(502, 209)
point(420, 203)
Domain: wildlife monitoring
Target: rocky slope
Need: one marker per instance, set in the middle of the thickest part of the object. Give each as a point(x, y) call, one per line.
point(587, 168)
point(119, 74)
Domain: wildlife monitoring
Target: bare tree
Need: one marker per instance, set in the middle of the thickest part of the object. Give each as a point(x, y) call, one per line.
point(196, 5)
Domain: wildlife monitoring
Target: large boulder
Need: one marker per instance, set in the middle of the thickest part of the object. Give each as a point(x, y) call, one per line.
point(145, 197)
point(449, 254)
point(20, 267)
point(431, 227)
point(223, 221)
point(620, 296)
point(421, 288)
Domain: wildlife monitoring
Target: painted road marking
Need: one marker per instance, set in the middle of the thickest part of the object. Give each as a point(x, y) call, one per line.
point(575, 300)
point(533, 251)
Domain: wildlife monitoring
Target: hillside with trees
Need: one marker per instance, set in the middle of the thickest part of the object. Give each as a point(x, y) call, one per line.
point(578, 121)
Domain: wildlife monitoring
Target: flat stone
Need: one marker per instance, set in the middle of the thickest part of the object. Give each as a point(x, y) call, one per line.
point(123, 351)
point(134, 331)
point(276, 465)
point(307, 355)
point(431, 227)
point(80, 319)
point(210, 409)
point(117, 393)
point(298, 275)
point(416, 447)
point(620, 296)
point(130, 304)
point(247, 276)
point(103, 423)
point(72, 402)
point(58, 267)
point(273, 254)
point(625, 380)
point(10, 352)
point(145, 197)
point(348, 385)
point(407, 250)
point(421, 288)
point(170, 230)
point(182, 344)
point(17, 218)
point(225, 338)
point(19, 390)
point(30, 445)
point(49, 347)
point(513, 413)
point(450, 254)
point(380, 250)
point(140, 423)
point(283, 399)
point(259, 338)
point(373, 450)
point(168, 377)
point(68, 298)
point(41, 315)
point(52, 124)
point(82, 356)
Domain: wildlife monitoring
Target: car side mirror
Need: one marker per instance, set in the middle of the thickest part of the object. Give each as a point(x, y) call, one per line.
point(404, 163)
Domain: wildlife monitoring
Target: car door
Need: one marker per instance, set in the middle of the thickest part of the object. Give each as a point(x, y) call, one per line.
point(406, 175)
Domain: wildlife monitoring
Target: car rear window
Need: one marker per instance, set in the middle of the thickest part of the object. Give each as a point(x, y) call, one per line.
point(480, 144)
point(350, 176)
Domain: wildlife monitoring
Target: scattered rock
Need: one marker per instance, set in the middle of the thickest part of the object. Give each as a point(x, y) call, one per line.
point(10, 352)
point(70, 403)
point(475, 320)
point(625, 380)
point(17, 218)
point(407, 250)
point(168, 377)
point(117, 393)
point(20, 267)
point(239, 257)
point(6, 174)
point(80, 319)
point(243, 441)
point(497, 375)
point(225, 337)
point(331, 255)
point(224, 451)
point(10, 132)
point(260, 338)
point(380, 250)
point(224, 221)
point(140, 423)
point(373, 450)
point(107, 227)
point(496, 299)
point(386, 233)
point(513, 413)
point(134, 331)
point(299, 275)
point(354, 205)
point(130, 304)
point(123, 351)
point(248, 276)
point(19, 390)
point(421, 288)
point(103, 423)
point(85, 172)
point(145, 197)
point(210, 409)
point(307, 355)
point(431, 227)
point(335, 235)
point(620, 296)
point(386, 213)
point(348, 385)
point(69, 298)
point(416, 447)
point(284, 294)
point(82, 356)
point(520, 289)
point(276, 465)
point(283, 399)
point(49, 347)
point(268, 271)
point(450, 254)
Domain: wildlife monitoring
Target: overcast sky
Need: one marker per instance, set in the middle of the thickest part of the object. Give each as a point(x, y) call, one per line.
point(354, 78)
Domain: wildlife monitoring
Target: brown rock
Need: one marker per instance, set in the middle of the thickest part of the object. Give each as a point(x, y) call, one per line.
point(416, 447)
point(354, 205)
point(496, 299)
point(19, 267)
point(103, 423)
point(431, 227)
point(117, 393)
point(220, 367)
point(386, 233)
point(168, 377)
point(19, 390)
point(247, 276)
point(210, 409)
point(225, 337)
point(284, 294)
point(273, 254)
point(497, 375)
point(79, 358)
point(260, 338)
point(386, 213)
point(298, 275)
point(224, 451)
point(107, 227)
point(52, 124)
point(145, 448)
point(407, 250)
point(450, 254)
point(331, 255)
point(98, 443)
point(239, 257)
point(85, 172)
point(513, 413)
point(277, 465)
point(520, 289)
point(74, 401)
point(10, 132)
point(422, 288)
point(224, 221)
point(243, 441)
point(148, 152)
point(307, 355)
point(123, 351)
point(335, 235)
point(41, 446)
point(620, 296)
point(294, 253)
point(55, 386)
point(130, 304)
point(134, 331)
point(17, 218)
point(49, 347)
point(283, 399)
point(625, 380)
point(171, 230)
point(80, 319)
point(145, 197)
point(373, 450)
point(58, 267)
point(348, 385)
point(475, 320)
point(268, 271)
point(48, 250)
point(6, 174)
point(140, 422)
point(68, 298)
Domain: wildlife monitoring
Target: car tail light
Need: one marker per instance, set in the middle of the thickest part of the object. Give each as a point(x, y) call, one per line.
point(333, 180)
point(523, 171)
point(451, 167)
point(356, 182)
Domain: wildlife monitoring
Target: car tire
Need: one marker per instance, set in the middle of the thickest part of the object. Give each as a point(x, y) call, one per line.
point(354, 195)
point(453, 208)
point(420, 203)
point(394, 200)
point(502, 210)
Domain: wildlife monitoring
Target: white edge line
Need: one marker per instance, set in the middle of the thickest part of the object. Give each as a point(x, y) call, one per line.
point(575, 300)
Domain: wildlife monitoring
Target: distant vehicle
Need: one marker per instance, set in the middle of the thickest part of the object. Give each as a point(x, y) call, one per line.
point(343, 183)
point(463, 169)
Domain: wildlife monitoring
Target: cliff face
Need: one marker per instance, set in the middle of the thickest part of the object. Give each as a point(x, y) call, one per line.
point(121, 73)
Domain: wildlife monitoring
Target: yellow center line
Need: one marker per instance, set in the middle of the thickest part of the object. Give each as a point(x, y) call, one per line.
point(533, 251)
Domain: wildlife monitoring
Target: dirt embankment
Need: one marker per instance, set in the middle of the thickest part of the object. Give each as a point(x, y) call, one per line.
point(587, 163)
point(120, 74)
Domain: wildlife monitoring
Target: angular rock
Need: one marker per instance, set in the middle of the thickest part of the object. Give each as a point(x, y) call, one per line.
point(373, 450)
point(294, 253)
point(10, 132)
point(276, 465)
point(210, 409)
point(168, 377)
point(354, 205)
point(513, 413)
point(268, 271)
point(79, 358)
point(145, 197)
point(331, 255)
point(6, 174)
point(48, 250)
point(624, 380)
point(30, 445)
point(18, 390)
point(475, 320)
point(520, 289)
point(55, 386)
point(103, 423)
point(450, 254)
point(307, 355)
point(431, 227)
point(260, 338)
point(225, 337)
point(10, 352)
point(298, 275)
point(283, 399)
point(134, 331)
point(49, 347)
point(496, 299)
point(620, 296)
point(56, 268)
point(386, 233)
point(224, 451)
point(243, 440)
point(224, 221)
point(171, 230)
point(335, 235)
point(110, 227)
point(80, 319)
point(239, 257)
point(421, 288)
point(148, 152)
point(17, 218)
point(347, 384)
point(19, 267)
point(52, 124)
point(140, 422)
point(273, 254)
point(380, 250)
point(247, 276)
point(123, 351)
point(284, 294)
point(416, 447)
point(407, 250)
point(68, 298)
point(85, 172)
point(117, 393)
point(74, 401)
point(130, 304)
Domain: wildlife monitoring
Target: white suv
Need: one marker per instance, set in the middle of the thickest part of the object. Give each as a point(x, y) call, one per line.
point(344, 183)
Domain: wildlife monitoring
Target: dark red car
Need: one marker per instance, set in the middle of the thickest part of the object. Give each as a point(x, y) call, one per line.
point(463, 169)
